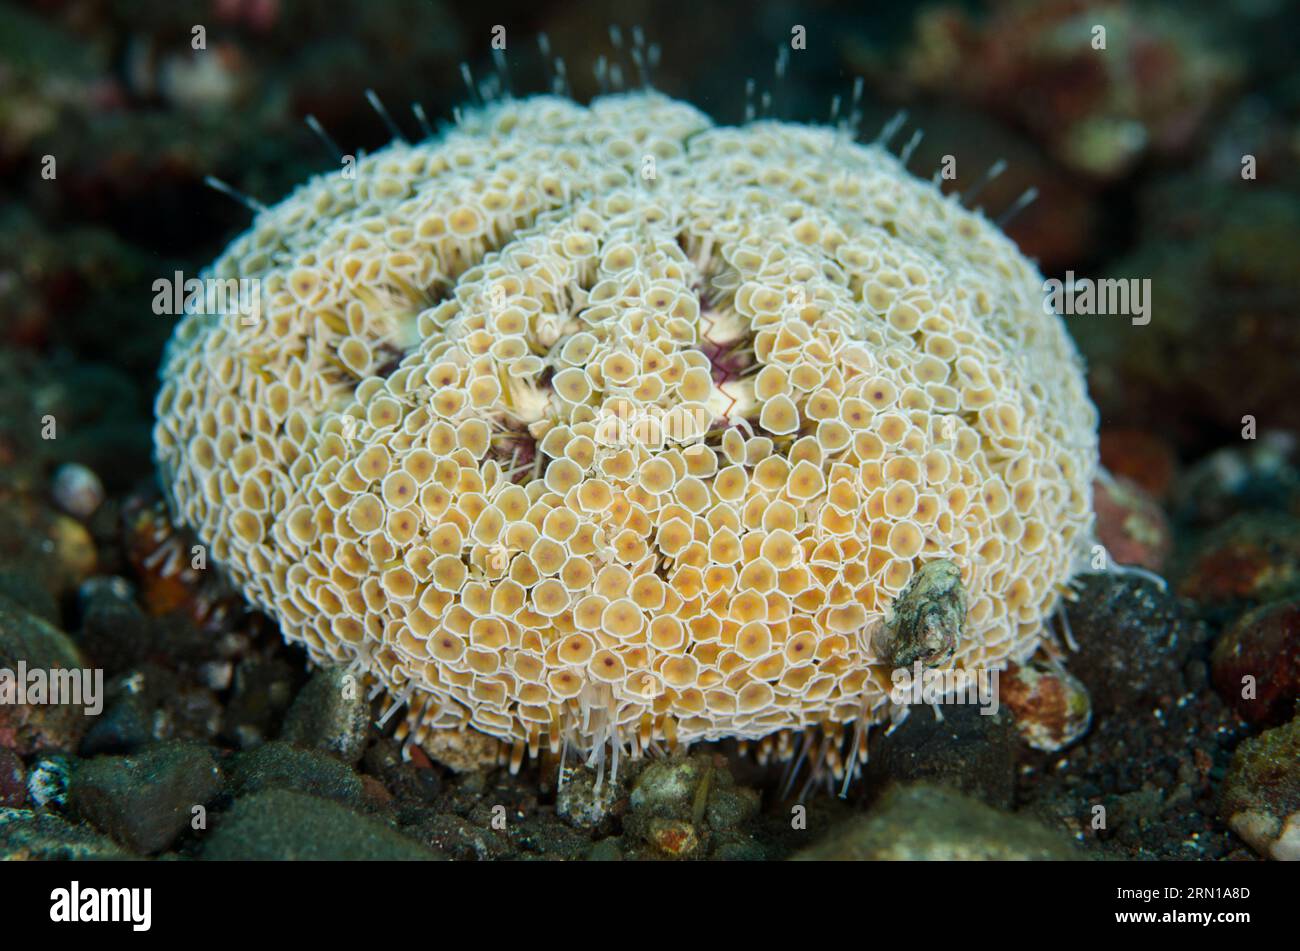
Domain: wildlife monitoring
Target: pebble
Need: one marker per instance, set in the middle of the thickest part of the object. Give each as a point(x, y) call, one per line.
point(582, 806)
point(30, 727)
point(1260, 799)
point(1133, 641)
point(330, 713)
point(1256, 663)
point(48, 778)
point(77, 490)
point(463, 751)
point(1131, 524)
point(936, 823)
point(145, 800)
point(1248, 560)
point(1051, 707)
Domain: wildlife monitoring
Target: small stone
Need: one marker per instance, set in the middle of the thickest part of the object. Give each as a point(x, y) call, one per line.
point(51, 550)
point(280, 825)
point(29, 643)
point(13, 779)
point(1050, 706)
point(668, 787)
point(1133, 641)
point(1130, 524)
point(124, 727)
point(145, 801)
point(277, 765)
point(77, 490)
point(1249, 560)
point(673, 837)
point(26, 835)
point(1256, 663)
point(935, 823)
point(581, 805)
point(331, 714)
point(730, 806)
point(1260, 800)
point(48, 778)
point(74, 549)
point(463, 751)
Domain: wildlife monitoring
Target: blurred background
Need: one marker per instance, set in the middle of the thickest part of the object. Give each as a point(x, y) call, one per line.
point(1136, 150)
point(1169, 155)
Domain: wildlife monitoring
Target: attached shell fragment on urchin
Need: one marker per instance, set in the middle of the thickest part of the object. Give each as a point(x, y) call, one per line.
point(576, 457)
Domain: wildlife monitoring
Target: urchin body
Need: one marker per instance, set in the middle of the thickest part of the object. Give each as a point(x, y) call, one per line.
point(607, 427)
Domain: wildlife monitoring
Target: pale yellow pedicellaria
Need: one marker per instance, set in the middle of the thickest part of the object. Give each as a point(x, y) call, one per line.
point(609, 428)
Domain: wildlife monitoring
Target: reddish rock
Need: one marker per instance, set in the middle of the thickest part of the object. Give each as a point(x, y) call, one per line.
point(1130, 524)
point(1051, 707)
point(31, 649)
point(1256, 663)
point(1249, 559)
point(1099, 113)
point(674, 837)
point(1141, 457)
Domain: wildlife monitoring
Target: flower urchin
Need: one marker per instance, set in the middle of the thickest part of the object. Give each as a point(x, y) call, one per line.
point(607, 427)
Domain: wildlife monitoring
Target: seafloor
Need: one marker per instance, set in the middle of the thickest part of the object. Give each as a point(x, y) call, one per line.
point(1141, 161)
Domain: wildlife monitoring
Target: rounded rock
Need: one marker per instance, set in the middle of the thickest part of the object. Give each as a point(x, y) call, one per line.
point(1130, 524)
point(1256, 663)
point(1133, 641)
point(144, 801)
point(1260, 800)
point(331, 714)
point(77, 490)
point(1051, 706)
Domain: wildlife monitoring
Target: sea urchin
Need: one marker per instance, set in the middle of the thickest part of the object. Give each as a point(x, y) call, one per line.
point(607, 427)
